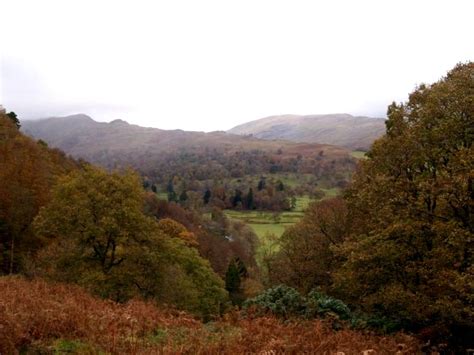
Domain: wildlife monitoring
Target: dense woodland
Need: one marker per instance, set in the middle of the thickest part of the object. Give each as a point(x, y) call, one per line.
point(388, 264)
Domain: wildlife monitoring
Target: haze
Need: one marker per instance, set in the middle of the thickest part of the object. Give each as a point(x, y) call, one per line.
point(210, 65)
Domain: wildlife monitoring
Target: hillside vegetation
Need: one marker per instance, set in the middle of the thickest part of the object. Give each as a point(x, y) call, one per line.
point(118, 144)
point(353, 132)
point(200, 169)
point(390, 255)
point(39, 317)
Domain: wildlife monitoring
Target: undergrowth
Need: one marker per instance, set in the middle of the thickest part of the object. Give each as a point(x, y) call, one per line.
point(41, 317)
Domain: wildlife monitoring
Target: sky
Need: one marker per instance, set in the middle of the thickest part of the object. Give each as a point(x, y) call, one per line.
point(210, 65)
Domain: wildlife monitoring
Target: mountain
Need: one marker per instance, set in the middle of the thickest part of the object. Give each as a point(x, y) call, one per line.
point(353, 132)
point(161, 154)
point(82, 137)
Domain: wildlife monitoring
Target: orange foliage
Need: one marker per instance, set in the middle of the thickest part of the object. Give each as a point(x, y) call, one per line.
point(177, 230)
point(35, 314)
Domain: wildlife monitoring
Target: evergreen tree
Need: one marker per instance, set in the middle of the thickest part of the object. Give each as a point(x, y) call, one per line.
point(236, 272)
point(237, 198)
point(207, 196)
point(172, 197)
point(249, 200)
point(280, 186)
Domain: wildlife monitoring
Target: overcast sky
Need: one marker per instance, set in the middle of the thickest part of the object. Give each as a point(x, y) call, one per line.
point(209, 65)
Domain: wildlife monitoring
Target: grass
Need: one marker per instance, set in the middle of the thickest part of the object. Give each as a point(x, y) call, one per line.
point(162, 195)
point(269, 226)
point(358, 154)
point(302, 203)
point(332, 192)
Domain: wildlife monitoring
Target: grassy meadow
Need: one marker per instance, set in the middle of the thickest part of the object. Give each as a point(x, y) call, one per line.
point(269, 226)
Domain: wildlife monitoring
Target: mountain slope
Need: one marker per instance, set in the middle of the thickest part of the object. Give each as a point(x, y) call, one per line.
point(82, 137)
point(162, 154)
point(353, 132)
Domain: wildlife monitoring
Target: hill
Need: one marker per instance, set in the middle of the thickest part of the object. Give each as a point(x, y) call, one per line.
point(353, 132)
point(162, 154)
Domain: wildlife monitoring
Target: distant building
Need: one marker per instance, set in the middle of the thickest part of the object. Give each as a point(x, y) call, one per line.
point(2, 110)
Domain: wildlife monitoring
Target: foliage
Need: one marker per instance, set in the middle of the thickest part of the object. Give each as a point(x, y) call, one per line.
point(305, 259)
point(28, 170)
point(234, 277)
point(282, 301)
point(14, 118)
point(319, 304)
point(176, 230)
point(219, 239)
point(36, 316)
point(103, 241)
point(409, 256)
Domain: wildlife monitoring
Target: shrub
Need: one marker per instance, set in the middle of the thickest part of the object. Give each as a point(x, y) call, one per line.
point(37, 317)
point(319, 304)
point(282, 301)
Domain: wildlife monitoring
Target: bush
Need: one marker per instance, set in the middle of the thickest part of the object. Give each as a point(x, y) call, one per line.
point(282, 301)
point(319, 304)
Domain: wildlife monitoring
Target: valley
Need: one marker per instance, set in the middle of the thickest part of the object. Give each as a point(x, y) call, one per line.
point(225, 238)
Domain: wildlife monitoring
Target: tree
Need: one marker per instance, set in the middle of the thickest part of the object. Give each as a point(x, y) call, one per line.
point(104, 242)
point(305, 259)
point(207, 196)
point(14, 118)
point(280, 186)
point(27, 172)
point(409, 255)
point(183, 197)
point(249, 200)
point(236, 272)
point(172, 196)
point(237, 199)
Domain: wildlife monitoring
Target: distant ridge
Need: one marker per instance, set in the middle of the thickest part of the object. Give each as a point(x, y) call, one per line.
point(353, 132)
point(121, 143)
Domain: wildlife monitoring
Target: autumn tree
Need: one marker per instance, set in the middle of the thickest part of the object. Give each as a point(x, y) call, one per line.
point(103, 241)
point(28, 169)
point(409, 256)
point(305, 259)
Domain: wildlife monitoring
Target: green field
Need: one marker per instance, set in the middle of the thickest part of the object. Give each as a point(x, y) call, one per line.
point(269, 226)
point(332, 192)
point(358, 154)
